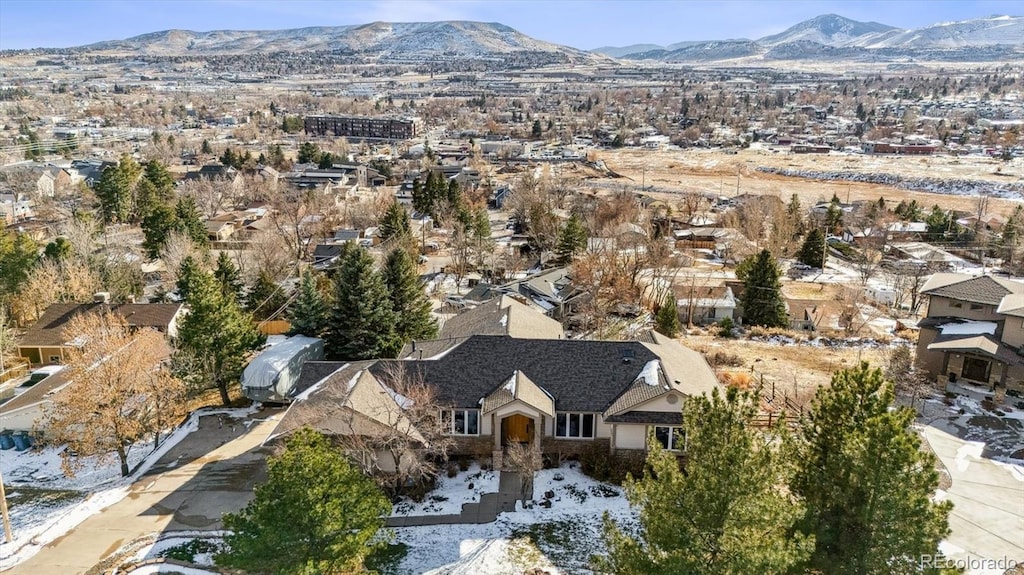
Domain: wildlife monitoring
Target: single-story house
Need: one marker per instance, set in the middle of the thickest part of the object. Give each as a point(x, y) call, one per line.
point(495, 390)
point(705, 304)
point(46, 343)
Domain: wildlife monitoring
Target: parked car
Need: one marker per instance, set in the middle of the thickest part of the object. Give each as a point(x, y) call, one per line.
point(41, 374)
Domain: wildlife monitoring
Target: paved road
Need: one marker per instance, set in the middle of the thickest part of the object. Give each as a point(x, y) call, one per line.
point(988, 514)
point(210, 472)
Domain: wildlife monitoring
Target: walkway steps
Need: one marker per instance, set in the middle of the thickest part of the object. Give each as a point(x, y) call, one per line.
point(486, 511)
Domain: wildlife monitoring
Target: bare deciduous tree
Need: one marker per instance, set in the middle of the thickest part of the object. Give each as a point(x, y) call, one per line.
point(119, 392)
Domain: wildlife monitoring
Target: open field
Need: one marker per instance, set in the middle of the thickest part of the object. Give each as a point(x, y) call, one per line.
point(797, 369)
point(721, 173)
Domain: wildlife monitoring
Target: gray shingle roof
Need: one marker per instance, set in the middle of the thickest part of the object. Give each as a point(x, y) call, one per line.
point(982, 289)
point(652, 417)
point(580, 375)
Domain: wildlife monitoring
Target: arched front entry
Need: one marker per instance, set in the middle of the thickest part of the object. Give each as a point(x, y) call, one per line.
point(517, 428)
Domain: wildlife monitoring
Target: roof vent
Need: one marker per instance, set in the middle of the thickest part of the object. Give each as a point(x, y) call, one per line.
point(101, 297)
point(628, 355)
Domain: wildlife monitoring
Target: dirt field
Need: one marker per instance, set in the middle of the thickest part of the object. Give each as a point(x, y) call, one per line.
point(797, 370)
point(718, 172)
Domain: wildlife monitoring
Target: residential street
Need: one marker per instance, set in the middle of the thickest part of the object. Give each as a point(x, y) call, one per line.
point(988, 518)
point(210, 472)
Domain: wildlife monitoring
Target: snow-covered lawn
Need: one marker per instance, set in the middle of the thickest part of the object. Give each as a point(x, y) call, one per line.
point(451, 493)
point(46, 504)
point(560, 539)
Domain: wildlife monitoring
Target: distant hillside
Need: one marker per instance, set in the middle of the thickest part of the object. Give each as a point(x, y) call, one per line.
point(378, 40)
point(834, 38)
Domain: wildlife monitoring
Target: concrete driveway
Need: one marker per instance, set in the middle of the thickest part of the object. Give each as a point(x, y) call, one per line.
point(212, 471)
point(987, 520)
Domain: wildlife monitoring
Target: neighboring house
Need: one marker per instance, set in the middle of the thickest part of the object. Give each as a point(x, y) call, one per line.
point(551, 291)
point(46, 343)
point(495, 390)
point(501, 315)
point(705, 304)
point(972, 338)
point(26, 412)
point(219, 230)
point(14, 208)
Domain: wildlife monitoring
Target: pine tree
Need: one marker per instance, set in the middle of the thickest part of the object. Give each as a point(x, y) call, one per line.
point(726, 512)
point(309, 153)
point(161, 179)
point(812, 253)
point(834, 217)
point(762, 299)
point(214, 339)
point(146, 199)
point(206, 148)
point(866, 482)
point(315, 513)
point(228, 277)
point(156, 228)
point(795, 213)
point(667, 319)
point(572, 240)
point(190, 221)
point(265, 298)
point(408, 300)
point(420, 200)
point(308, 313)
point(188, 276)
point(116, 190)
point(362, 322)
point(394, 222)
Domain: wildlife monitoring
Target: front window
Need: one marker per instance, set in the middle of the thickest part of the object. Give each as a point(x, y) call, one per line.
point(461, 421)
point(670, 437)
point(574, 425)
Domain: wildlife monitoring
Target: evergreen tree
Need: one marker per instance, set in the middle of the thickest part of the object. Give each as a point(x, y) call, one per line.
point(834, 217)
point(309, 153)
point(866, 482)
point(572, 240)
point(157, 174)
point(206, 148)
point(536, 131)
point(762, 299)
point(228, 277)
point(188, 276)
point(214, 339)
point(420, 199)
point(116, 190)
point(58, 250)
point(394, 222)
point(726, 512)
point(276, 157)
point(362, 322)
point(156, 228)
point(812, 253)
point(939, 222)
point(190, 221)
point(795, 213)
point(666, 321)
point(308, 313)
point(265, 298)
point(315, 513)
point(146, 199)
point(1010, 237)
point(408, 299)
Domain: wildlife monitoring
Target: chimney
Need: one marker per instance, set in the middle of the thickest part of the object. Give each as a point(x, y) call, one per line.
point(101, 297)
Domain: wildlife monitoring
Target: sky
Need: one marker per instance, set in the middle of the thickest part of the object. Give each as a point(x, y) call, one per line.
point(584, 24)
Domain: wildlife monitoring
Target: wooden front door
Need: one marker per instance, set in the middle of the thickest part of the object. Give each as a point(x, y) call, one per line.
point(516, 429)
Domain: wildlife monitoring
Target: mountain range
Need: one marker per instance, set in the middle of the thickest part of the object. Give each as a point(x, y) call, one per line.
point(377, 40)
point(837, 37)
point(828, 37)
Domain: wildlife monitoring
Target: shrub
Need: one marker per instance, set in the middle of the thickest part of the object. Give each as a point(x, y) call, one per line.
point(725, 359)
point(452, 469)
point(596, 462)
point(187, 551)
point(725, 327)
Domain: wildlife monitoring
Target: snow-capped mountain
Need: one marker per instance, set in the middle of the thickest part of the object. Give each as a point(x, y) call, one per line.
point(996, 30)
point(828, 30)
point(833, 37)
point(386, 40)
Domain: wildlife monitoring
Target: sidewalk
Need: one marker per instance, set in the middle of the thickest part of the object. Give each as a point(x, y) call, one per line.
point(486, 511)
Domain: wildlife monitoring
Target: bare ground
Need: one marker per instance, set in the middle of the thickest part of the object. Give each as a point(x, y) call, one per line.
point(721, 173)
point(796, 370)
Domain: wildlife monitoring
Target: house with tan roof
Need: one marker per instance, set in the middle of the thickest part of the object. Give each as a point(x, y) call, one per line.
point(972, 338)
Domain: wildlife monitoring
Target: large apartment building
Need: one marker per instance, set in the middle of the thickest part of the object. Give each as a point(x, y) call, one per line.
point(362, 127)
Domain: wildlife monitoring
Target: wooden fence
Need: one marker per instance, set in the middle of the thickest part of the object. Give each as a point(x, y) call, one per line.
point(274, 326)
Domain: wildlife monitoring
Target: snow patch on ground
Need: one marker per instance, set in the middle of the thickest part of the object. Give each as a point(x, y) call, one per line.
point(564, 535)
point(968, 450)
point(451, 493)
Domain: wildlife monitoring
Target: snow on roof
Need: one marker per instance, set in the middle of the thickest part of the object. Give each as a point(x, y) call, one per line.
point(969, 328)
point(352, 382)
point(511, 385)
point(402, 401)
point(313, 388)
point(650, 373)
